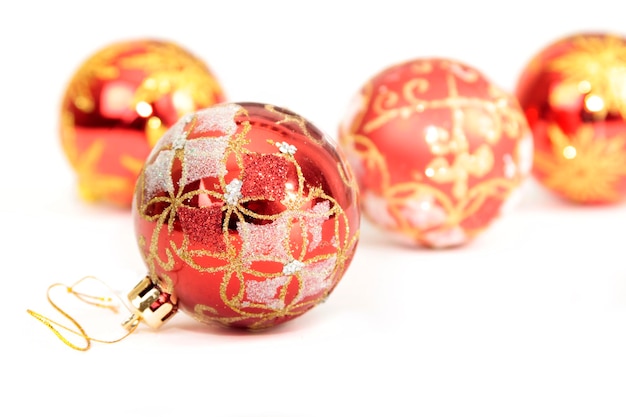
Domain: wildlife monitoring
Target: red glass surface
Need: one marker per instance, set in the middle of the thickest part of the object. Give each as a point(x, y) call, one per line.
point(247, 214)
point(573, 93)
point(437, 150)
point(119, 103)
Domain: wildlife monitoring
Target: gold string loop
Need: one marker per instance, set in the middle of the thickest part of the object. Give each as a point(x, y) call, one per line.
point(76, 329)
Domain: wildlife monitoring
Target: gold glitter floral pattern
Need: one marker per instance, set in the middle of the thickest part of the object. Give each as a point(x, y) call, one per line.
point(264, 265)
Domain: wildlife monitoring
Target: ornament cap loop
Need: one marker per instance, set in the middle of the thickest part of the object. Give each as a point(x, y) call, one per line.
point(152, 306)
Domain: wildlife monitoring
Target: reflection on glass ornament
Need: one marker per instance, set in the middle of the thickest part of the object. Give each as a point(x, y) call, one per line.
point(119, 102)
point(437, 149)
point(573, 93)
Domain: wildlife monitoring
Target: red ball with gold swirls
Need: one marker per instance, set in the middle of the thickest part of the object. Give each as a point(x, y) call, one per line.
point(438, 150)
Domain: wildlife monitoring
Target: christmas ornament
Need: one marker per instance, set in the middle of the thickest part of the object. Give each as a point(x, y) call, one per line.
point(119, 103)
point(246, 215)
point(573, 93)
point(437, 150)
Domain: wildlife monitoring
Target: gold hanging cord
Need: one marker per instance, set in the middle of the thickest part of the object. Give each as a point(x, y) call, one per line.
point(98, 301)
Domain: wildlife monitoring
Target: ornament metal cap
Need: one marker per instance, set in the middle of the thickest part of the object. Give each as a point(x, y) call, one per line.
point(151, 305)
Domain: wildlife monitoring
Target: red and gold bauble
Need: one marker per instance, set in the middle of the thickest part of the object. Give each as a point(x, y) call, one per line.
point(246, 215)
point(119, 103)
point(437, 150)
point(573, 93)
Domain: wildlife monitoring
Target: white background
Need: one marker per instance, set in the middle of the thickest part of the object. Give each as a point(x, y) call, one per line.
point(528, 320)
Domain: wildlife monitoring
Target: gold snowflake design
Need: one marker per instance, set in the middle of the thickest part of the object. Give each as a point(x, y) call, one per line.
point(597, 66)
point(581, 166)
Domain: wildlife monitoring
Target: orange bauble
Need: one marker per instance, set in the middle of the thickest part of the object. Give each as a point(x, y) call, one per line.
point(573, 93)
point(119, 103)
point(437, 150)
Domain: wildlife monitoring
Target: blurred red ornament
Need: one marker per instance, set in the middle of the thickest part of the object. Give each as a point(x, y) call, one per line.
point(573, 93)
point(246, 215)
point(119, 103)
point(437, 150)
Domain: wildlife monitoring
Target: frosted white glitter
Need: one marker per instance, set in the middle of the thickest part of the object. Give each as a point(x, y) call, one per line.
point(233, 192)
point(203, 158)
point(286, 148)
point(424, 212)
point(158, 175)
point(265, 292)
point(316, 277)
point(218, 118)
point(264, 241)
point(292, 267)
point(314, 224)
point(179, 142)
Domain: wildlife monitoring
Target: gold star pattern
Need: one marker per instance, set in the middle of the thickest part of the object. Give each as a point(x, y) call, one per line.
point(596, 65)
point(170, 70)
point(98, 66)
point(583, 167)
point(93, 185)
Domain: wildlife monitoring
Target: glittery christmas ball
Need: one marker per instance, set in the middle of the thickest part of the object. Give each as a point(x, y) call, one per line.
point(573, 93)
point(246, 214)
point(119, 102)
point(437, 149)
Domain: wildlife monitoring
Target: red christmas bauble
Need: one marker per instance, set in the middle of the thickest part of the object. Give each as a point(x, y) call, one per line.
point(119, 103)
point(437, 150)
point(246, 215)
point(573, 93)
